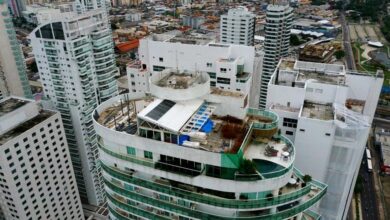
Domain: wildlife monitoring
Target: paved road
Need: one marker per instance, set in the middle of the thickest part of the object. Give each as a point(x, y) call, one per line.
point(347, 43)
point(368, 198)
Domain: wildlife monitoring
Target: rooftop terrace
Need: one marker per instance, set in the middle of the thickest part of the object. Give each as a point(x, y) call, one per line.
point(192, 124)
point(317, 111)
point(25, 126)
point(10, 105)
point(176, 80)
point(183, 38)
point(297, 73)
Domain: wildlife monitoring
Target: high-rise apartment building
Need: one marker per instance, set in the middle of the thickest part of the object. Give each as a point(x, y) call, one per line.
point(188, 151)
point(13, 77)
point(230, 67)
point(75, 57)
point(36, 173)
point(238, 27)
point(276, 45)
point(327, 112)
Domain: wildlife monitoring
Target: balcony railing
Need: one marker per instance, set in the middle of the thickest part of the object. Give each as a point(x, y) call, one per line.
point(203, 198)
point(131, 209)
point(193, 213)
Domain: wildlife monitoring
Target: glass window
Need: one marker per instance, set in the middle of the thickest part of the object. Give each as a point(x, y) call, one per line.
point(148, 154)
point(130, 150)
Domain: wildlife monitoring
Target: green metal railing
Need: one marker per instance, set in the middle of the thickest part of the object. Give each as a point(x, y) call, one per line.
point(277, 173)
point(203, 198)
point(172, 207)
point(127, 157)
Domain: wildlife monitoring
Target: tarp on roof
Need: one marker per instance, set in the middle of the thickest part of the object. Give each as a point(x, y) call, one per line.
point(127, 46)
point(208, 126)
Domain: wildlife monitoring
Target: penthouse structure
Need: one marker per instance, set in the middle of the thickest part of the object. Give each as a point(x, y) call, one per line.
point(75, 57)
point(230, 67)
point(327, 112)
point(36, 173)
point(189, 151)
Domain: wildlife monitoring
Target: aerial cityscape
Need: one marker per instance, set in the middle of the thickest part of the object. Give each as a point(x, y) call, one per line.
point(194, 109)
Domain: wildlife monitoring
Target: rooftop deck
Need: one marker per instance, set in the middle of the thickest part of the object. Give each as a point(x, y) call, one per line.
point(218, 91)
point(225, 134)
point(318, 111)
point(10, 105)
point(25, 126)
point(176, 80)
point(297, 73)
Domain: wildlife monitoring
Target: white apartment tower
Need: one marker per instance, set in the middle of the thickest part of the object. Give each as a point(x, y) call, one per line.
point(189, 151)
point(13, 77)
point(75, 56)
point(327, 112)
point(276, 45)
point(36, 173)
point(238, 27)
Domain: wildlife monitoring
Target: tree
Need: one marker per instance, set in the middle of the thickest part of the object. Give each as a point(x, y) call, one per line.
point(132, 56)
point(114, 26)
point(339, 54)
point(294, 40)
point(33, 67)
point(306, 178)
point(247, 167)
point(358, 185)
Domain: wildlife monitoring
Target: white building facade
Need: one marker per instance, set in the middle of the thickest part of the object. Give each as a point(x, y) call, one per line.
point(75, 57)
point(327, 112)
point(168, 155)
point(276, 44)
point(13, 77)
point(36, 173)
point(238, 27)
point(230, 67)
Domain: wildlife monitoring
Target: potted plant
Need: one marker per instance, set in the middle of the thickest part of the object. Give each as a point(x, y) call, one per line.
point(270, 196)
point(307, 178)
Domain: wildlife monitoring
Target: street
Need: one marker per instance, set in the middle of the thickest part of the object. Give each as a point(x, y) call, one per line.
point(347, 43)
point(367, 196)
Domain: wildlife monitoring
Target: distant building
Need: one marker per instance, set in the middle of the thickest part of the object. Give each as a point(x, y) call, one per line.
point(133, 16)
point(320, 53)
point(194, 22)
point(276, 44)
point(13, 76)
point(37, 177)
point(75, 57)
point(238, 27)
point(327, 112)
point(382, 141)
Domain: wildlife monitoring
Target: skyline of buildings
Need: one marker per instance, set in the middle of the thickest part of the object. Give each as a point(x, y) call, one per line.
point(284, 138)
point(36, 173)
point(75, 57)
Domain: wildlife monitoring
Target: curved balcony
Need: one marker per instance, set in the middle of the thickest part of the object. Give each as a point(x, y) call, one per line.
point(197, 197)
point(289, 212)
point(171, 85)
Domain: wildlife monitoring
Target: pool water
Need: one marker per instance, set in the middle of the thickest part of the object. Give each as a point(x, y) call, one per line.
point(264, 166)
